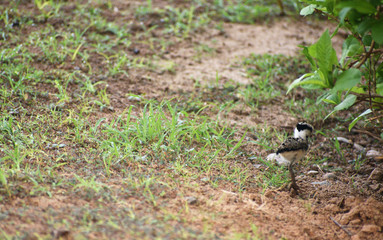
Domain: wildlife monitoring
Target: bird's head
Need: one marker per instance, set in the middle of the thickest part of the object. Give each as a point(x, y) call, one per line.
point(303, 130)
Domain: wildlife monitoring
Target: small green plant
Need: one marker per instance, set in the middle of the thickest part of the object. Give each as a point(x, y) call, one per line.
point(145, 9)
point(62, 88)
point(17, 155)
point(268, 73)
point(48, 8)
point(89, 184)
point(182, 22)
point(3, 181)
point(358, 75)
point(339, 149)
point(244, 13)
point(359, 161)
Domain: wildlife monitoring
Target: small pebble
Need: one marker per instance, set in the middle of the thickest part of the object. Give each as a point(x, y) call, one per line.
point(312, 172)
point(373, 153)
point(371, 228)
point(359, 147)
point(374, 187)
point(205, 179)
point(191, 200)
point(342, 139)
point(15, 23)
point(56, 107)
point(329, 176)
point(376, 174)
point(54, 145)
point(321, 183)
point(257, 166)
point(136, 51)
point(134, 98)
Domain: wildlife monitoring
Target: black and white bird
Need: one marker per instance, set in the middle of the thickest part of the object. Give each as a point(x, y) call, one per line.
point(295, 148)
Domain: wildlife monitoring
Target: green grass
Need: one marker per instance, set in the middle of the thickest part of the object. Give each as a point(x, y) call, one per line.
point(269, 74)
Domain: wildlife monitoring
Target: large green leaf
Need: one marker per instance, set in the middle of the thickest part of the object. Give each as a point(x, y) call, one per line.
point(347, 79)
point(365, 26)
point(368, 111)
point(324, 51)
point(325, 54)
point(377, 32)
point(315, 78)
point(347, 102)
point(361, 6)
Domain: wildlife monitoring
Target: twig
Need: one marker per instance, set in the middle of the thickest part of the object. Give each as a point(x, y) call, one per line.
point(373, 118)
point(367, 95)
point(367, 55)
point(341, 227)
point(368, 133)
point(320, 169)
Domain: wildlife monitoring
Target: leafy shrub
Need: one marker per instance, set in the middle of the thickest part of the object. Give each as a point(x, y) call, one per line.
point(358, 75)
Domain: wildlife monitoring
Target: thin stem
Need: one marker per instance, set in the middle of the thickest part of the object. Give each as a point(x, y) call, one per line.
point(368, 95)
point(367, 55)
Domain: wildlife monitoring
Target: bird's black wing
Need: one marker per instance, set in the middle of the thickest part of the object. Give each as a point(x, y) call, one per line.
point(293, 144)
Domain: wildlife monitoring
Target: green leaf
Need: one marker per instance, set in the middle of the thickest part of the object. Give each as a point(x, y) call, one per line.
point(368, 111)
point(309, 57)
point(367, 39)
point(325, 54)
point(347, 79)
point(343, 13)
point(332, 98)
point(365, 26)
point(321, 97)
point(308, 10)
point(359, 5)
point(3, 178)
point(351, 46)
point(312, 50)
point(347, 102)
point(377, 32)
point(324, 47)
point(379, 89)
point(357, 90)
point(329, 115)
point(309, 78)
